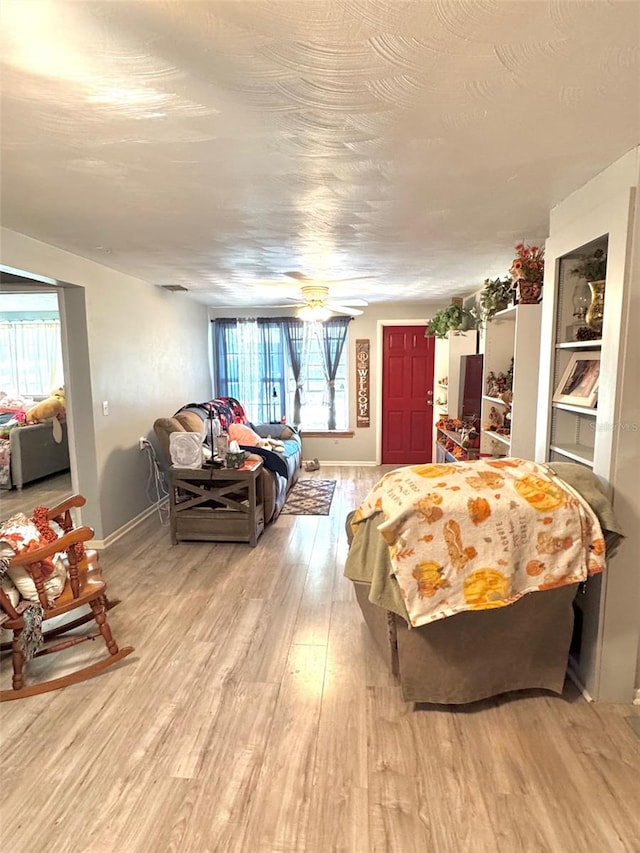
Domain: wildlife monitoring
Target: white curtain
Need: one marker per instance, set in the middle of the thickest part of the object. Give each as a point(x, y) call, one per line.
point(249, 376)
point(30, 357)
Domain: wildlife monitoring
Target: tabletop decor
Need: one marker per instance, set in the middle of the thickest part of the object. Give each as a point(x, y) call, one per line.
point(593, 269)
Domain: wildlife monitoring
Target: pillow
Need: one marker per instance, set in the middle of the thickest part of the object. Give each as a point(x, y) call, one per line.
point(279, 431)
point(191, 421)
point(243, 435)
point(16, 534)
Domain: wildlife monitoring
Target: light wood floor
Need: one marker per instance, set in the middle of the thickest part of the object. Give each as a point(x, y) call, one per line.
point(256, 716)
point(45, 492)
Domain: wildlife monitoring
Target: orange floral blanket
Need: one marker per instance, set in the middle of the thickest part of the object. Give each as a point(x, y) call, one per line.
point(477, 535)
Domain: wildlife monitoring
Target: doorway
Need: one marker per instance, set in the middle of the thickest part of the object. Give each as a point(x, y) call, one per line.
point(407, 395)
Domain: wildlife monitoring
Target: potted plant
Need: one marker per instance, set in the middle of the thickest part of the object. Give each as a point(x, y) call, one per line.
point(527, 271)
point(449, 319)
point(593, 267)
point(495, 296)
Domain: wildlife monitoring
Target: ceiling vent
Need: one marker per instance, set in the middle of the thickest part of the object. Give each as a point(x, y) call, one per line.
point(174, 288)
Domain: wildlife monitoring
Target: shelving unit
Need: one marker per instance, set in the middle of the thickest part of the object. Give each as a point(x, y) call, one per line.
point(570, 430)
point(446, 363)
point(441, 401)
point(443, 455)
point(605, 644)
point(512, 333)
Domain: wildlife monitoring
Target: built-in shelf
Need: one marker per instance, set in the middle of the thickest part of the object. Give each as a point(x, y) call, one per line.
point(506, 312)
point(503, 439)
point(447, 359)
point(578, 410)
point(576, 452)
point(579, 345)
point(454, 436)
point(511, 340)
point(470, 452)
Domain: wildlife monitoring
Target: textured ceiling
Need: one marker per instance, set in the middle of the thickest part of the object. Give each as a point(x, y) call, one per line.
point(218, 144)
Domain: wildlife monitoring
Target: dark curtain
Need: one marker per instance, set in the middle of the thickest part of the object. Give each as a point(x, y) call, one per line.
point(293, 330)
point(334, 334)
point(272, 400)
point(225, 368)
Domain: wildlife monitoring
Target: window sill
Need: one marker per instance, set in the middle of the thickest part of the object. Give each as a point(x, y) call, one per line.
point(327, 433)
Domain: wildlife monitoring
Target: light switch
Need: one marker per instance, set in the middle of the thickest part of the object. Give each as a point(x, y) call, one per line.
point(105, 407)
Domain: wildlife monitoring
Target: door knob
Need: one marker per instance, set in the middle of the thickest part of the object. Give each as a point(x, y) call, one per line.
point(429, 402)
point(430, 393)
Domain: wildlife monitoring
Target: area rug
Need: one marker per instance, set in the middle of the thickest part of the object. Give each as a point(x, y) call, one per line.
point(310, 497)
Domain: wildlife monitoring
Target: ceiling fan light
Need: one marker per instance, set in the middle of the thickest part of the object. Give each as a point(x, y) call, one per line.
point(314, 313)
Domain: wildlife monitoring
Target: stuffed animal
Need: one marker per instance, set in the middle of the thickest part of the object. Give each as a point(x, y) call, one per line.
point(52, 407)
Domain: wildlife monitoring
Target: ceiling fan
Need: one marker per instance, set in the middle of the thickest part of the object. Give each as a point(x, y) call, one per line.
point(315, 305)
point(313, 299)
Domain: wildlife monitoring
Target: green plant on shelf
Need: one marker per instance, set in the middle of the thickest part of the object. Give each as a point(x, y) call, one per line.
point(496, 295)
point(453, 318)
point(593, 267)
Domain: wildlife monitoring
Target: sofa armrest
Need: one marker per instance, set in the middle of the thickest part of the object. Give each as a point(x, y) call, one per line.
point(35, 453)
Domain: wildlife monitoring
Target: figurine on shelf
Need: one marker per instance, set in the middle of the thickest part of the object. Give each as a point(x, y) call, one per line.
point(509, 377)
point(496, 385)
point(495, 420)
point(471, 440)
point(506, 397)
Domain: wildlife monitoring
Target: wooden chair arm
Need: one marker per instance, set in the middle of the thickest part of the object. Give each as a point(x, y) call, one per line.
point(80, 534)
point(70, 503)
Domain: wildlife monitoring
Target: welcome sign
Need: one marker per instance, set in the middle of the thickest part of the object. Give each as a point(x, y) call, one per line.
point(362, 383)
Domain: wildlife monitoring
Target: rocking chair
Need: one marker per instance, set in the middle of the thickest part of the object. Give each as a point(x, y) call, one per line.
point(84, 585)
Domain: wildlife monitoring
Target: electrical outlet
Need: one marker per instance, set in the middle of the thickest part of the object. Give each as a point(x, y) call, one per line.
point(142, 442)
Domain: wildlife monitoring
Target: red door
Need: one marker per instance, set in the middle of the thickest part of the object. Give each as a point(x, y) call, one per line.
point(407, 395)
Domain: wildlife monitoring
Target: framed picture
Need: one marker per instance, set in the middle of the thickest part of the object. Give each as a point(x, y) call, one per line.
point(579, 382)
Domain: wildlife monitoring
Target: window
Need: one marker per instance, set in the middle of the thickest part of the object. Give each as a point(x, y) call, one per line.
point(31, 362)
point(314, 409)
point(256, 362)
point(30, 344)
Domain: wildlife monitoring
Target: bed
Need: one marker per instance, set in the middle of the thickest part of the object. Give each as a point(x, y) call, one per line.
point(448, 636)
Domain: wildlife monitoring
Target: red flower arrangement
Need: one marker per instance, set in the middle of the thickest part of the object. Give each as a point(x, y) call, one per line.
point(528, 264)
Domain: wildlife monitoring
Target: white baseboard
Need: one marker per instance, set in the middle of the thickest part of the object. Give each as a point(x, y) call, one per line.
point(101, 544)
point(636, 696)
point(574, 677)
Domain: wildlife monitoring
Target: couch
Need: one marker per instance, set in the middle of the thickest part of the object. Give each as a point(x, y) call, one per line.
point(281, 469)
point(34, 453)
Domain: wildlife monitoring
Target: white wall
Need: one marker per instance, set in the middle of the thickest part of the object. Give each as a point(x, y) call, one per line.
point(142, 349)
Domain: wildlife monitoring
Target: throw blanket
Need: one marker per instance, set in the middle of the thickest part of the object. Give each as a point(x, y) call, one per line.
point(276, 462)
point(472, 536)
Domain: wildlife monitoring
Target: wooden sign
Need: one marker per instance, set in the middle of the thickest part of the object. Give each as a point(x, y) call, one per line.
point(363, 418)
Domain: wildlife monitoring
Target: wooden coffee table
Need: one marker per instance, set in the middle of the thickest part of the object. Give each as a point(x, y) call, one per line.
point(217, 504)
